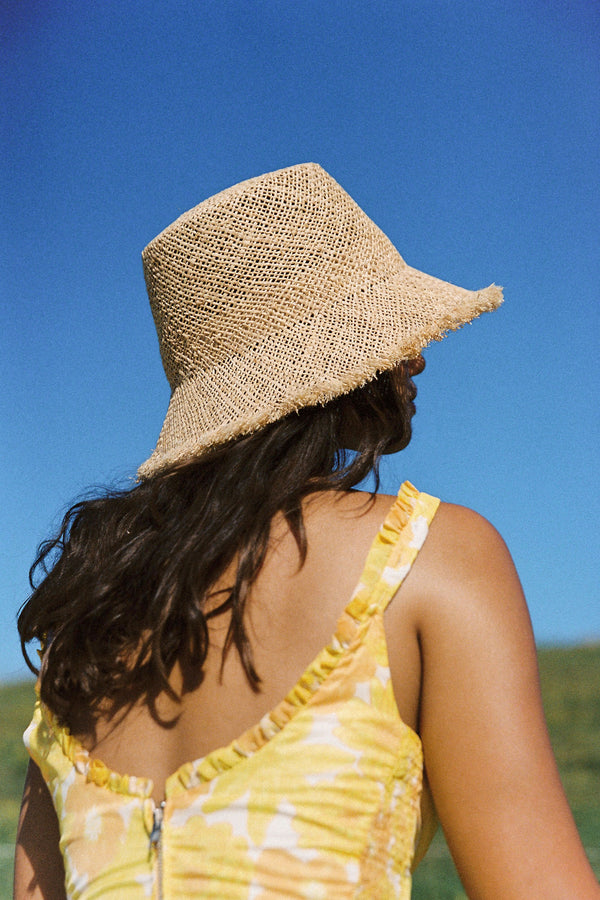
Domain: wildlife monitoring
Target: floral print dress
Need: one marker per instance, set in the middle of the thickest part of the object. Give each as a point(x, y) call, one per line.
point(320, 800)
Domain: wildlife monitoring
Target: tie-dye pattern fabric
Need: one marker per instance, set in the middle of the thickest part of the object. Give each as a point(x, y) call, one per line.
point(319, 800)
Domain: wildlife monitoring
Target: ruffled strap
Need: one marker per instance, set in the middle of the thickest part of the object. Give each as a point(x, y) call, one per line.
point(393, 551)
point(56, 752)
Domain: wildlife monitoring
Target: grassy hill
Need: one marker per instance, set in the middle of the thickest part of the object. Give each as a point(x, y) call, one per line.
point(571, 688)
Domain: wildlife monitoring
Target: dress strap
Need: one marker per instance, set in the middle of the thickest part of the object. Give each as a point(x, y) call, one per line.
point(393, 551)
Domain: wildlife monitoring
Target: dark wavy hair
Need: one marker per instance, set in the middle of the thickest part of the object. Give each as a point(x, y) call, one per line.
point(125, 590)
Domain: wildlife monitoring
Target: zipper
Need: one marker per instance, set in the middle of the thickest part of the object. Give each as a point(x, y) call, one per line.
point(156, 844)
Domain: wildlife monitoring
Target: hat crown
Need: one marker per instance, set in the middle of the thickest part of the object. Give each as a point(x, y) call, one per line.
point(279, 293)
point(253, 259)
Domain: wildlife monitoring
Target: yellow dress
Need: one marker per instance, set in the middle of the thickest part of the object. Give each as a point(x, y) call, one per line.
point(320, 800)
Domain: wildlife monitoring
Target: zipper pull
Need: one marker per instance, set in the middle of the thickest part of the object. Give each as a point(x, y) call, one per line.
point(157, 821)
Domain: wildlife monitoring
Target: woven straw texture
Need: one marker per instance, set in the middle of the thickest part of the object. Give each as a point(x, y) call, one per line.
point(279, 293)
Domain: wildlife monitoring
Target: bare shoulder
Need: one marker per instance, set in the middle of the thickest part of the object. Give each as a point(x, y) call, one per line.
point(466, 567)
point(470, 610)
point(464, 537)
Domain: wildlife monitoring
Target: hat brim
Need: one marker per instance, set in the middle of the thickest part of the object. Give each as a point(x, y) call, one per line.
point(345, 345)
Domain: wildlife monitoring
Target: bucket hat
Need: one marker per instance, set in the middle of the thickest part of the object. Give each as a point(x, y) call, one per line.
point(279, 293)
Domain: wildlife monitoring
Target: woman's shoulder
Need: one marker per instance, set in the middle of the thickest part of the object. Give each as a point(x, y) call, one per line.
point(454, 529)
point(463, 566)
point(464, 572)
point(461, 547)
point(462, 543)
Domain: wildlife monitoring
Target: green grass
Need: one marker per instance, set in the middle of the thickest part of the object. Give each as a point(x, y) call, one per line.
point(571, 689)
point(16, 702)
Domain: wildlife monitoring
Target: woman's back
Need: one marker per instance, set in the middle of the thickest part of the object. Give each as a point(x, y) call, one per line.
point(338, 778)
point(292, 615)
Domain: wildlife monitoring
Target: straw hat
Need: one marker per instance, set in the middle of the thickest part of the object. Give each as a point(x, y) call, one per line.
point(279, 293)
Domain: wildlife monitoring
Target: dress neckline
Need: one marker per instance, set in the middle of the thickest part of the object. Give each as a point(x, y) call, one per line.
point(367, 598)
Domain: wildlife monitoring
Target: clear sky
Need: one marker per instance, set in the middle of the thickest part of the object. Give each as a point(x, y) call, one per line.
point(468, 131)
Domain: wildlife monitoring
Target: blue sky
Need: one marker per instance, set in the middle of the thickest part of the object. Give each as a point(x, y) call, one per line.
point(469, 132)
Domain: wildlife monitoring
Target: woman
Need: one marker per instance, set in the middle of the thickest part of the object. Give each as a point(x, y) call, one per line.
point(176, 616)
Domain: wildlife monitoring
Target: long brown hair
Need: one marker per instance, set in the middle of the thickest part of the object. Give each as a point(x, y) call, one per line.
point(121, 593)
